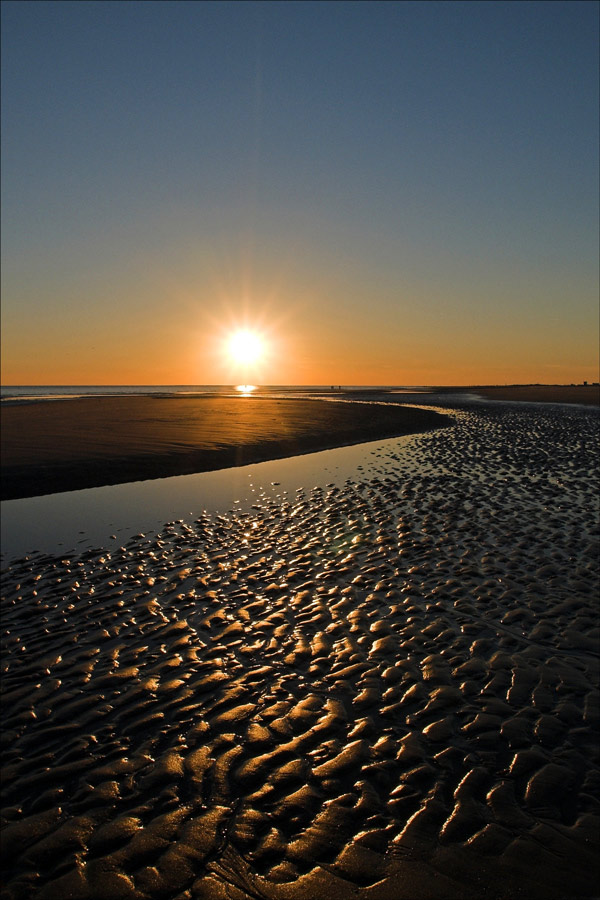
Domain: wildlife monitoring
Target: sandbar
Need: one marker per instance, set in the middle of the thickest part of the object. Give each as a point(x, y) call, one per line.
point(66, 445)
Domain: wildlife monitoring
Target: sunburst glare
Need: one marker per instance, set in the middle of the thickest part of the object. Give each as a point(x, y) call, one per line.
point(245, 347)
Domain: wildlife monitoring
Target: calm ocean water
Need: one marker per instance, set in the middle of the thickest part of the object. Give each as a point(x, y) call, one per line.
point(30, 393)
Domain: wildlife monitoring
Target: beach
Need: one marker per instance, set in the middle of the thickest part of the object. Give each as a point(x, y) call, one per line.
point(584, 394)
point(72, 444)
point(385, 690)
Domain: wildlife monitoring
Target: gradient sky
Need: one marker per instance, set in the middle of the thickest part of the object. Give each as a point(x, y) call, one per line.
point(392, 193)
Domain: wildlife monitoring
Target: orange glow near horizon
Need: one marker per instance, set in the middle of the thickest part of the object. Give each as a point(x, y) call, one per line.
point(301, 358)
point(293, 336)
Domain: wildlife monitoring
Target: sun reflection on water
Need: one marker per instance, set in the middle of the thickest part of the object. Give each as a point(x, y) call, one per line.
point(245, 389)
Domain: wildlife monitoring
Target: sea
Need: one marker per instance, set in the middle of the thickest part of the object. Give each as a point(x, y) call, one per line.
point(35, 393)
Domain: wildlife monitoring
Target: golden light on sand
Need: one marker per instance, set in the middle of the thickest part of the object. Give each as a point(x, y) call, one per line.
point(245, 347)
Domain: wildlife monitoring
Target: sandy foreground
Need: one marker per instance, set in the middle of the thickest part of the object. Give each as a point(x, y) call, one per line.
point(66, 445)
point(387, 690)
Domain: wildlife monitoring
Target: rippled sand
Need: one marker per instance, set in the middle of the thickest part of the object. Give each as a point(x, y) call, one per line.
point(385, 690)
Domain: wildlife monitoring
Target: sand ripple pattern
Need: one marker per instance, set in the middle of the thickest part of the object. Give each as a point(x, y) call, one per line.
point(385, 690)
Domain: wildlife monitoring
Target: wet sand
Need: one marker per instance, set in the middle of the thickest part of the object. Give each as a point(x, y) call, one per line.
point(586, 394)
point(65, 445)
point(386, 690)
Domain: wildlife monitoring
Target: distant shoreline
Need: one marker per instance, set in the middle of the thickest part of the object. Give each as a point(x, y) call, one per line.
point(587, 394)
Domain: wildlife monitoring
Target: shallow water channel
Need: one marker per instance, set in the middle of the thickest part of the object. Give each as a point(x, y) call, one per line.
point(99, 517)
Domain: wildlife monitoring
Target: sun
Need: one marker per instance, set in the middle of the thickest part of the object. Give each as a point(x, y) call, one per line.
point(245, 347)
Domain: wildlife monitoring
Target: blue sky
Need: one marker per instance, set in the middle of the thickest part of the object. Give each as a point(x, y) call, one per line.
point(394, 192)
